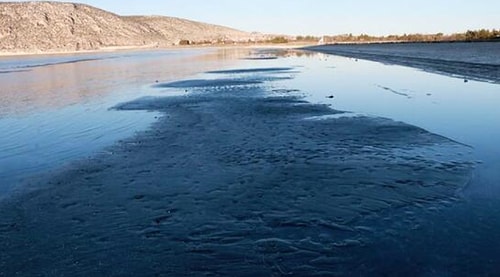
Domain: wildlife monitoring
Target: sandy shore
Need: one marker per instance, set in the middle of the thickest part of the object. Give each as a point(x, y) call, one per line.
point(70, 52)
point(233, 180)
point(149, 47)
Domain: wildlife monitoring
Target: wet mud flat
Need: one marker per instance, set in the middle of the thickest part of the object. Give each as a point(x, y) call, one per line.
point(235, 180)
point(476, 61)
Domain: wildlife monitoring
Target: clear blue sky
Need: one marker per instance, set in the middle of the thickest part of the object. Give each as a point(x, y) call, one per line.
point(318, 17)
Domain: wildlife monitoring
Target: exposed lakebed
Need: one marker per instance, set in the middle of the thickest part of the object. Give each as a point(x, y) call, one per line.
point(247, 177)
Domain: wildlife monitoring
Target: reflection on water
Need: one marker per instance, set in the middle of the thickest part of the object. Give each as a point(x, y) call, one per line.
point(436, 236)
point(57, 83)
point(62, 101)
point(465, 112)
point(458, 239)
point(57, 108)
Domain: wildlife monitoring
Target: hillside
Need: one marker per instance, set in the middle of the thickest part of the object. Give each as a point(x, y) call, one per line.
point(55, 26)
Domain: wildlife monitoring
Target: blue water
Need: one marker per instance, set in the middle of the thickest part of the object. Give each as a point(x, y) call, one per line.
point(466, 112)
point(64, 119)
point(56, 109)
point(474, 53)
point(479, 61)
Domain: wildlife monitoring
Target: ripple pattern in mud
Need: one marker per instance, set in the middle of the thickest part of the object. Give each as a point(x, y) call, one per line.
point(232, 184)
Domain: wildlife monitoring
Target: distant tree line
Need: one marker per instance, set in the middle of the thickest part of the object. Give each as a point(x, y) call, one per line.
point(307, 38)
point(482, 34)
point(470, 35)
point(278, 39)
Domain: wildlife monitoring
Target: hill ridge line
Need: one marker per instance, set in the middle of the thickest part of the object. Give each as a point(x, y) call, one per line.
point(63, 26)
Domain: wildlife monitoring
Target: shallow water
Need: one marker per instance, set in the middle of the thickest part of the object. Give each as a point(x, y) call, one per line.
point(56, 109)
point(480, 60)
point(476, 53)
point(464, 112)
point(247, 178)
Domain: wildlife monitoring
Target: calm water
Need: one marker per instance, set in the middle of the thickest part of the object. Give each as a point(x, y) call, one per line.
point(465, 112)
point(55, 109)
point(60, 112)
point(478, 61)
point(476, 53)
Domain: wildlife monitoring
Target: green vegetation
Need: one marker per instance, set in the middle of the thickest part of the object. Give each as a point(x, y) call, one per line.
point(307, 38)
point(278, 40)
point(470, 35)
point(482, 34)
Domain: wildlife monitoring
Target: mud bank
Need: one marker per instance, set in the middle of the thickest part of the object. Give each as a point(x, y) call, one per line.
point(233, 180)
point(476, 61)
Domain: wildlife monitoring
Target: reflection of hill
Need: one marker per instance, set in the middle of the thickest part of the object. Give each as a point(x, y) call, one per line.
point(64, 84)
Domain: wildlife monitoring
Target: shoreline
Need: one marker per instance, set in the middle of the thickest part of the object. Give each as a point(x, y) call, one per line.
point(406, 42)
point(474, 64)
point(72, 52)
point(117, 49)
point(292, 45)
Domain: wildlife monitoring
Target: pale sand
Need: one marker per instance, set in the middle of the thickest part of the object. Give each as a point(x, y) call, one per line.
point(152, 47)
point(59, 52)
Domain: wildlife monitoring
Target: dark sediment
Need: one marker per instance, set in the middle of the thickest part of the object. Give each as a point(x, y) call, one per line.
point(252, 70)
point(230, 183)
point(429, 57)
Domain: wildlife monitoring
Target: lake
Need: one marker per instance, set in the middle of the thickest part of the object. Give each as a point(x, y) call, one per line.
point(249, 162)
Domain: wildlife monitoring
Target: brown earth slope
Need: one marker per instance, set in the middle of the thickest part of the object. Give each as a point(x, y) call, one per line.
point(54, 26)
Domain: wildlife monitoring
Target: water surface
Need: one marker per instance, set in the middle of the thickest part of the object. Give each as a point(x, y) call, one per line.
point(58, 108)
point(302, 164)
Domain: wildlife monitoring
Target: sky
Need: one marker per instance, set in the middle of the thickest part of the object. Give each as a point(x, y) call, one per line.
point(322, 17)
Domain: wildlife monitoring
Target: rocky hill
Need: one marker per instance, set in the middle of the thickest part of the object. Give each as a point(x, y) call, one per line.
point(55, 26)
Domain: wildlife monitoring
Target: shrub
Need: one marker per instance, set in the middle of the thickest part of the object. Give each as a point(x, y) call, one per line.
point(278, 40)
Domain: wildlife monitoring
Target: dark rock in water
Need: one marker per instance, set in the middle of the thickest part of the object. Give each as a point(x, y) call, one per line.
point(201, 83)
point(262, 58)
point(251, 70)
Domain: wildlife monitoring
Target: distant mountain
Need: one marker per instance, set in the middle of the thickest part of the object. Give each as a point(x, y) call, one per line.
point(56, 26)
